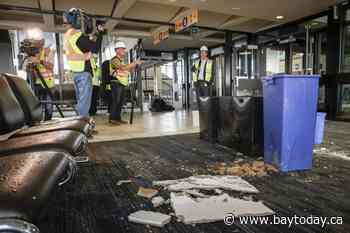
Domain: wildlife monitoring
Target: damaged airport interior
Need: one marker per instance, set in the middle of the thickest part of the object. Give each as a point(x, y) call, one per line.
point(174, 116)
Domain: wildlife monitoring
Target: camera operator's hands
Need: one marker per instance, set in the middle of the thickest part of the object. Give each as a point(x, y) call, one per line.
point(88, 56)
point(138, 62)
point(101, 29)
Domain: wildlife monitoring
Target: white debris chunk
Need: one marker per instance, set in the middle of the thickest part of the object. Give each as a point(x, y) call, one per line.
point(147, 193)
point(149, 218)
point(215, 208)
point(195, 193)
point(218, 191)
point(157, 201)
point(233, 183)
point(120, 182)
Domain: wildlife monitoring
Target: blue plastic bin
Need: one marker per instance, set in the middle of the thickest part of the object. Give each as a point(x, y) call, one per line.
point(290, 106)
point(319, 130)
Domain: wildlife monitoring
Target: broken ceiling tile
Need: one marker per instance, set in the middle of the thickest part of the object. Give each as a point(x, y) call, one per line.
point(149, 218)
point(234, 183)
point(120, 182)
point(157, 201)
point(195, 193)
point(147, 193)
point(215, 208)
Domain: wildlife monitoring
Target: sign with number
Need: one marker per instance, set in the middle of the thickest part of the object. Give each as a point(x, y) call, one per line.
point(187, 21)
point(161, 34)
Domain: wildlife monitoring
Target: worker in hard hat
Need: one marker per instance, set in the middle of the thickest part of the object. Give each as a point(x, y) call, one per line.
point(79, 49)
point(44, 64)
point(119, 73)
point(203, 74)
point(96, 80)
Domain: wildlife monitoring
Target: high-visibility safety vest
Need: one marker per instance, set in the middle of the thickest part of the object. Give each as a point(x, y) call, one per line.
point(96, 72)
point(47, 74)
point(121, 75)
point(208, 71)
point(75, 57)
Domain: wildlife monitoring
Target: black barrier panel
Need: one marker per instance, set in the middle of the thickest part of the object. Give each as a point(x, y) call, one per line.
point(240, 124)
point(208, 118)
point(235, 122)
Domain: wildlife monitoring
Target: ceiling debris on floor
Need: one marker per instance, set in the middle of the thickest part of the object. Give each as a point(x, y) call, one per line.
point(147, 193)
point(250, 169)
point(206, 182)
point(214, 208)
point(149, 218)
point(200, 199)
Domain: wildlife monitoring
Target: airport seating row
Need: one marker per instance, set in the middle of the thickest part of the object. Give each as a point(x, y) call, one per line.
point(35, 156)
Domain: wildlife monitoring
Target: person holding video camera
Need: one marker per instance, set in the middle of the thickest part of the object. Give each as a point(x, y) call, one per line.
point(44, 64)
point(79, 49)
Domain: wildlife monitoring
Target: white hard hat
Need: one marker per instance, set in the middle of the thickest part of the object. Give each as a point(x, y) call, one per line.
point(204, 48)
point(120, 44)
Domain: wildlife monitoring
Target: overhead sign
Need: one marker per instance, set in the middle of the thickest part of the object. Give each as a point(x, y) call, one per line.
point(161, 34)
point(186, 20)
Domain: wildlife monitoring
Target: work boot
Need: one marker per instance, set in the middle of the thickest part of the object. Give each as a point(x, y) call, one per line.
point(123, 122)
point(114, 123)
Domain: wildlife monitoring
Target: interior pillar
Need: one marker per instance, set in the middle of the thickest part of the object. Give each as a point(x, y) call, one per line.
point(228, 87)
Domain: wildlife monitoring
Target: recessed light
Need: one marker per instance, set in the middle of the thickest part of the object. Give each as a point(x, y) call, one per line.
point(235, 8)
point(279, 17)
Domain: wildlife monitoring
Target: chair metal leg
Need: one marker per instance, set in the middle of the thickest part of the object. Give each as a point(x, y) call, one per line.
point(17, 226)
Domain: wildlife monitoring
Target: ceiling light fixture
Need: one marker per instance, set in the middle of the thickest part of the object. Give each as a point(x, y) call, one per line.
point(279, 17)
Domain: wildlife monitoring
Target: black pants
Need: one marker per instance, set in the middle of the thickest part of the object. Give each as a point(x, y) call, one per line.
point(118, 96)
point(43, 95)
point(94, 100)
point(203, 89)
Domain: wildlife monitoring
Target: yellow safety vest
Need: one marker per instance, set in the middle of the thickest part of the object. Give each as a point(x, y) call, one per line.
point(96, 72)
point(121, 75)
point(45, 73)
point(74, 55)
point(207, 71)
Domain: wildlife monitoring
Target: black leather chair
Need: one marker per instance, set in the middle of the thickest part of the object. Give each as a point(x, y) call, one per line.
point(12, 118)
point(33, 111)
point(30, 114)
point(26, 181)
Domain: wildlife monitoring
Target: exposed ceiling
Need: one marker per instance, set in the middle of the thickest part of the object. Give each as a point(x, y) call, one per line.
point(236, 15)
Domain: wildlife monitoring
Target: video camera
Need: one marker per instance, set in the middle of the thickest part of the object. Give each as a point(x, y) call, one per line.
point(82, 21)
point(30, 47)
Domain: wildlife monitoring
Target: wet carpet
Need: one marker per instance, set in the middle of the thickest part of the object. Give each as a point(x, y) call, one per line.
point(94, 203)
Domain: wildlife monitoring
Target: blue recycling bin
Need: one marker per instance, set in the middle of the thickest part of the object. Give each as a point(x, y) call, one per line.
point(290, 106)
point(319, 129)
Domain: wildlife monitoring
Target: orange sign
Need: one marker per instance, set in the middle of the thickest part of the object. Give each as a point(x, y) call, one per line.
point(187, 21)
point(160, 35)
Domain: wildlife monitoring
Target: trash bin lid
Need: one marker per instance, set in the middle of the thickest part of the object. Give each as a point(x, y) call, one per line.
point(290, 76)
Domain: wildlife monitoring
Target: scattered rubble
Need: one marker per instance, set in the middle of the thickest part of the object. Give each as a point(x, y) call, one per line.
point(256, 168)
point(157, 201)
point(232, 183)
point(327, 152)
point(215, 208)
point(120, 182)
point(149, 218)
point(147, 193)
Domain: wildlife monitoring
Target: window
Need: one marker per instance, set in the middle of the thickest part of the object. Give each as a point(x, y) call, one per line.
point(275, 61)
point(298, 55)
